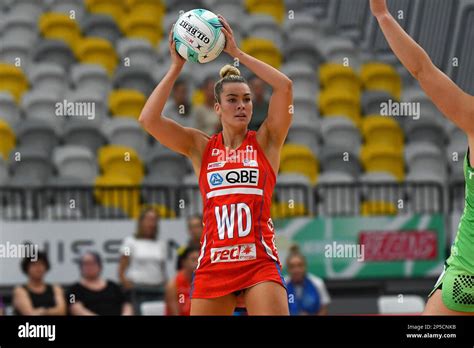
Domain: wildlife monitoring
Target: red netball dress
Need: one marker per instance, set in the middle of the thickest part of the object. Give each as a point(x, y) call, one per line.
point(238, 241)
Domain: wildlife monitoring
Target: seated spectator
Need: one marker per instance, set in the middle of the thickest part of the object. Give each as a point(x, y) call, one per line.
point(205, 116)
point(307, 294)
point(142, 268)
point(93, 295)
point(179, 107)
point(260, 102)
point(194, 232)
point(37, 297)
point(177, 297)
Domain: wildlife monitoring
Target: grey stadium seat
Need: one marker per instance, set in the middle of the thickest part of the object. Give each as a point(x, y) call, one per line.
point(20, 27)
point(463, 48)
point(48, 77)
point(32, 8)
point(66, 6)
point(126, 131)
point(339, 49)
point(83, 133)
point(305, 109)
point(37, 134)
point(335, 195)
point(102, 26)
point(304, 79)
point(54, 51)
point(305, 133)
point(297, 194)
point(134, 77)
point(11, 50)
point(232, 10)
point(265, 27)
point(76, 162)
point(161, 161)
point(9, 111)
point(91, 77)
point(371, 101)
point(333, 159)
point(341, 131)
point(140, 52)
point(40, 104)
point(299, 51)
point(34, 168)
point(424, 157)
point(303, 26)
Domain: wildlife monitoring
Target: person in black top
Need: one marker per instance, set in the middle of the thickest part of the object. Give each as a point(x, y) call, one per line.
point(93, 295)
point(36, 297)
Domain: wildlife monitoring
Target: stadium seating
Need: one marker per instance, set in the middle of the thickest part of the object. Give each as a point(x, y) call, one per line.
point(121, 160)
point(7, 139)
point(383, 158)
point(299, 159)
point(9, 111)
point(102, 26)
point(128, 103)
point(13, 80)
point(95, 50)
point(59, 26)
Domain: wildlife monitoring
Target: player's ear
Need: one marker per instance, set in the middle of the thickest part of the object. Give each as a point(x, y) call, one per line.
point(217, 108)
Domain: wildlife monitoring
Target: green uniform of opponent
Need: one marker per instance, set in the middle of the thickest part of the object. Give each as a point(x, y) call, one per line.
point(457, 280)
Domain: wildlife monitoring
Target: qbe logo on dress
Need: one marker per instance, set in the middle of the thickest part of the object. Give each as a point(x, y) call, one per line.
point(233, 177)
point(234, 253)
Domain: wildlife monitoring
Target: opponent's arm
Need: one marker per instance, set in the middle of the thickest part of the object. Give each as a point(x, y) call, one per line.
point(275, 127)
point(454, 103)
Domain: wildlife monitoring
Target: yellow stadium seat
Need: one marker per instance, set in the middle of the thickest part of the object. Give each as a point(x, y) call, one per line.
point(198, 98)
point(280, 210)
point(121, 160)
point(337, 102)
point(264, 50)
point(96, 50)
point(383, 158)
point(154, 7)
point(338, 76)
point(13, 80)
point(274, 8)
point(126, 102)
point(299, 159)
point(144, 26)
point(117, 191)
point(115, 8)
point(7, 139)
point(382, 130)
point(381, 77)
point(60, 26)
point(373, 208)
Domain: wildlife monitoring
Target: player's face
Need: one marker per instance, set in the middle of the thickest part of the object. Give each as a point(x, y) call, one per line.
point(296, 269)
point(37, 270)
point(235, 108)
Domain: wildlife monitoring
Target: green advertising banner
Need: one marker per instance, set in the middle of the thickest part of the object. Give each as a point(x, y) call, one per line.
point(402, 246)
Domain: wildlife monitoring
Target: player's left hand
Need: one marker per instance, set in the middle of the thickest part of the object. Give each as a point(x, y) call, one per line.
point(230, 46)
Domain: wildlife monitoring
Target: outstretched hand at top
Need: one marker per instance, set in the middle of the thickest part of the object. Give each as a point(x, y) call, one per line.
point(230, 45)
point(176, 59)
point(378, 7)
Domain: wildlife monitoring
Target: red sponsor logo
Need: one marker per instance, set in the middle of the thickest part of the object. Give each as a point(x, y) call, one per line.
point(399, 245)
point(233, 253)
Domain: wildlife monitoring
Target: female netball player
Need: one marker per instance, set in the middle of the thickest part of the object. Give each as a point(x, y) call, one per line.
point(454, 292)
point(237, 171)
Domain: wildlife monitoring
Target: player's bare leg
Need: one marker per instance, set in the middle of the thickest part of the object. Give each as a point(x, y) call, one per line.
point(267, 298)
point(224, 305)
point(435, 306)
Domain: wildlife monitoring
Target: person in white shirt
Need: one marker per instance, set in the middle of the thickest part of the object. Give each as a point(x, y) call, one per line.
point(142, 268)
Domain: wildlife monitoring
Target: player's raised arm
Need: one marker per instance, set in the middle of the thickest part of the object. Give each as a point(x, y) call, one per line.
point(181, 139)
point(275, 127)
point(454, 103)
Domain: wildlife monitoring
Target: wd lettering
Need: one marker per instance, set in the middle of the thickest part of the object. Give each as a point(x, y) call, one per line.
point(225, 217)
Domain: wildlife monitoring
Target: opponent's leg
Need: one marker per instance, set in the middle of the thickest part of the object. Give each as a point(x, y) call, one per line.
point(435, 306)
point(224, 305)
point(266, 298)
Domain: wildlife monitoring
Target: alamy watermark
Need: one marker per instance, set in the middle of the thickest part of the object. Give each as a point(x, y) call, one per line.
point(345, 251)
point(75, 109)
point(19, 251)
point(400, 109)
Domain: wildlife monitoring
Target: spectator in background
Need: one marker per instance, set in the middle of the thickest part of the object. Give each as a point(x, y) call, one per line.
point(142, 268)
point(206, 119)
point(307, 294)
point(195, 232)
point(260, 102)
point(93, 295)
point(178, 289)
point(179, 108)
point(37, 297)
point(2, 306)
